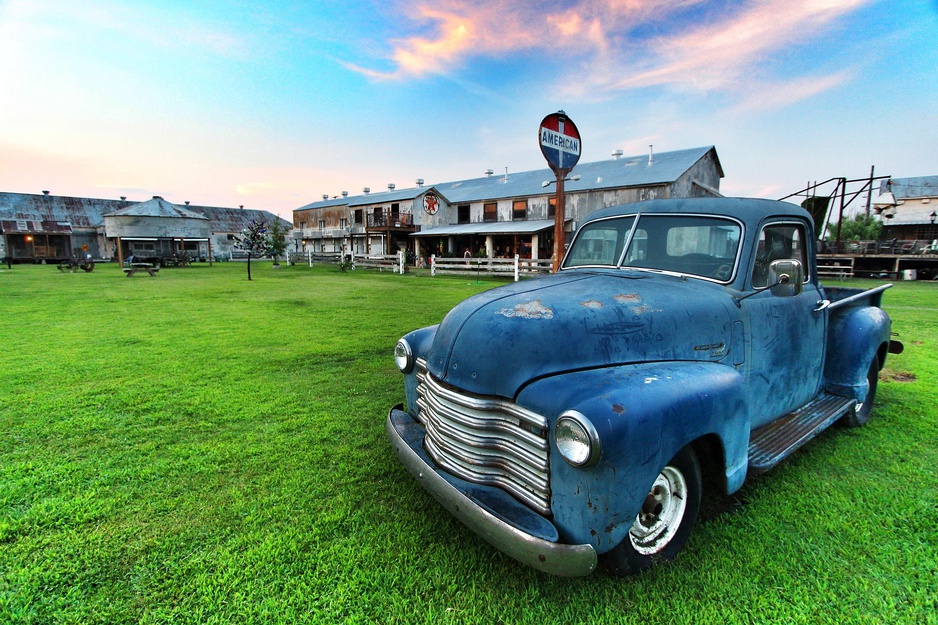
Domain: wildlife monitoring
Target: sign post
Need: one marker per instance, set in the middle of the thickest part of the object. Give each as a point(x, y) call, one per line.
point(561, 146)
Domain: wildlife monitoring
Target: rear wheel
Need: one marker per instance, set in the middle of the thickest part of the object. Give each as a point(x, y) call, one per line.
point(666, 519)
point(862, 410)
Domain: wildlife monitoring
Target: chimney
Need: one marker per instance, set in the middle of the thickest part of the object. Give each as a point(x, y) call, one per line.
point(616, 154)
point(366, 190)
point(391, 186)
point(419, 182)
point(651, 155)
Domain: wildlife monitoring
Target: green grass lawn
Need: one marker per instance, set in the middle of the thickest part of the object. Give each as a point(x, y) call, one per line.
point(197, 448)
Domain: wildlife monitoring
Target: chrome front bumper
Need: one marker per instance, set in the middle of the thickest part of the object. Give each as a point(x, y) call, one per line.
point(406, 436)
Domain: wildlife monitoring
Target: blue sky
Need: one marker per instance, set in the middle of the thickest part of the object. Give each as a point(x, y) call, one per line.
point(272, 105)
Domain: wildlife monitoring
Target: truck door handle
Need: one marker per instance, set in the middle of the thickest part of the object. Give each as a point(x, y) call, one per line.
point(822, 304)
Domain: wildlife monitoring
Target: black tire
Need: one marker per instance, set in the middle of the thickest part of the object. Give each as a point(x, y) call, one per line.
point(666, 520)
point(861, 412)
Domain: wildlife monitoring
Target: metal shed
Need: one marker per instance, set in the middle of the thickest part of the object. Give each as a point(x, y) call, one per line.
point(158, 231)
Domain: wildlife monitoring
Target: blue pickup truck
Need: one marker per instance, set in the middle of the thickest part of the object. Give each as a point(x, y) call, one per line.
point(575, 419)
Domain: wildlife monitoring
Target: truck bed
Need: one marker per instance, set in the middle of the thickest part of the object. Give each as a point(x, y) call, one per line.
point(843, 296)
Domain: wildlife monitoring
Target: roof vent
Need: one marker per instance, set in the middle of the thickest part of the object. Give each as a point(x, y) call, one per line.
point(345, 194)
point(419, 182)
point(616, 154)
point(241, 206)
point(325, 196)
point(366, 190)
point(45, 192)
point(156, 197)
point(187, 202)
point(123, 197)
point(489, 172)
point(391, 186)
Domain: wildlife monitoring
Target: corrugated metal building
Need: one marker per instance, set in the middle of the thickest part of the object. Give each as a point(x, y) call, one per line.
point(49, 227)
point(917, 210)
point(506, 213)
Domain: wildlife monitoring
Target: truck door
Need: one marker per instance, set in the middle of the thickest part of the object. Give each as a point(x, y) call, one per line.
point(786, 351)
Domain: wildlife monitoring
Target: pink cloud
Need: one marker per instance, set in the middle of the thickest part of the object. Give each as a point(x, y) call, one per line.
point(719, 53)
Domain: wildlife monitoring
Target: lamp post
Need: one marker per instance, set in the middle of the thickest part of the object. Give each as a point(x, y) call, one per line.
point(933, 216)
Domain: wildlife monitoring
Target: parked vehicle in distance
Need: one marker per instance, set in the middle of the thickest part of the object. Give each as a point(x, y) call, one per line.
point(575, 419)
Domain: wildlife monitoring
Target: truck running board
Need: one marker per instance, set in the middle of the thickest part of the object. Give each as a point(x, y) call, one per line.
point(775, 441)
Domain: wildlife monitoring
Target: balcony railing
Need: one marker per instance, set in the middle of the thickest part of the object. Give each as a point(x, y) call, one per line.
point(388, 219)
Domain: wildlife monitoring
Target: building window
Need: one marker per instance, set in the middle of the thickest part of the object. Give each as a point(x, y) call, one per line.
point(490, 212)
point(322, 225)
point(359, 217)
point(552, 207)
point(519, 209)
point(462, 214)
point(343, 222)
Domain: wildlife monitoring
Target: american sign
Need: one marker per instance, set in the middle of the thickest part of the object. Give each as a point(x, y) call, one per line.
point(560, 141)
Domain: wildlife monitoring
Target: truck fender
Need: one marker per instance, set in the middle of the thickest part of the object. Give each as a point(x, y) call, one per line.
point(856, 336)
point(419, 341)
point(643, 415)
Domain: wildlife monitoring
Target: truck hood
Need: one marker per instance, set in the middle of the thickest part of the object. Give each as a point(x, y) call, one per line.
point(495, 342)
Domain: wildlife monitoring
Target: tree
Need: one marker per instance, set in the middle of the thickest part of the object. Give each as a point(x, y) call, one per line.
point(277, 239)
point(858, 228)
point(253, 240)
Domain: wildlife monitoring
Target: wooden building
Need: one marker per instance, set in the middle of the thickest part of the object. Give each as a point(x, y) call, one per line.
point(500, 214)
point(50, 228)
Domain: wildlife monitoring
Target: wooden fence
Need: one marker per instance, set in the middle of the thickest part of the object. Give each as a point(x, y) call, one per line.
point(391, 262)
point(515, 267)
point(498, 266)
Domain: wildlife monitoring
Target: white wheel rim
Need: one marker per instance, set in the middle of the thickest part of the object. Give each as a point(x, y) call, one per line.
point(661, 515)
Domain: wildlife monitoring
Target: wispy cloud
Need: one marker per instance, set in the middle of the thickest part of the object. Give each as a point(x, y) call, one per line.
point(723, 52)
point(621, 44)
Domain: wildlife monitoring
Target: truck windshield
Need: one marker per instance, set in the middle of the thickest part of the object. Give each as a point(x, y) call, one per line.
point(600, 243)
point(698, 246)
point(687, 244)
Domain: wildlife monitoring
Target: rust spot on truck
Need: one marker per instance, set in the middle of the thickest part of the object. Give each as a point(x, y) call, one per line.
point(618, 408)
point(528, 310)
point(591, 304)
point(628, 298)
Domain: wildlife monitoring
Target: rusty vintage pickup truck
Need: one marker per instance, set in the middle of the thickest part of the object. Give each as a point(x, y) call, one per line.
point(575, 419)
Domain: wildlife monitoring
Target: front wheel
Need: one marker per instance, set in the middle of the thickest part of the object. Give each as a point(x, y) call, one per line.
point(861, 411)
point(665, 521)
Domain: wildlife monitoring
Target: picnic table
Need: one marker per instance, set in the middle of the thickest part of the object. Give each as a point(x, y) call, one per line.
point(135, 267)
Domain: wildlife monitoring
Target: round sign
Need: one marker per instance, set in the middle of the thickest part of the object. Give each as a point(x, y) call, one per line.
point(560, 142)
point(431, 203)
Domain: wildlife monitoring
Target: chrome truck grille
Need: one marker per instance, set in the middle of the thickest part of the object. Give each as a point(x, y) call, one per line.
point(486, 440)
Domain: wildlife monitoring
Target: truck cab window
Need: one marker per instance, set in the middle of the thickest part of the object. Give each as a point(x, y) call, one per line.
point(778, 242)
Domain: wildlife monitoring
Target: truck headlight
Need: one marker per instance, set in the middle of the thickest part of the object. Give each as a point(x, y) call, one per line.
point(403, 356)
point(577, 440)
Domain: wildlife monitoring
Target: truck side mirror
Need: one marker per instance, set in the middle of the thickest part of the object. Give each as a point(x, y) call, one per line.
point(786, 277)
